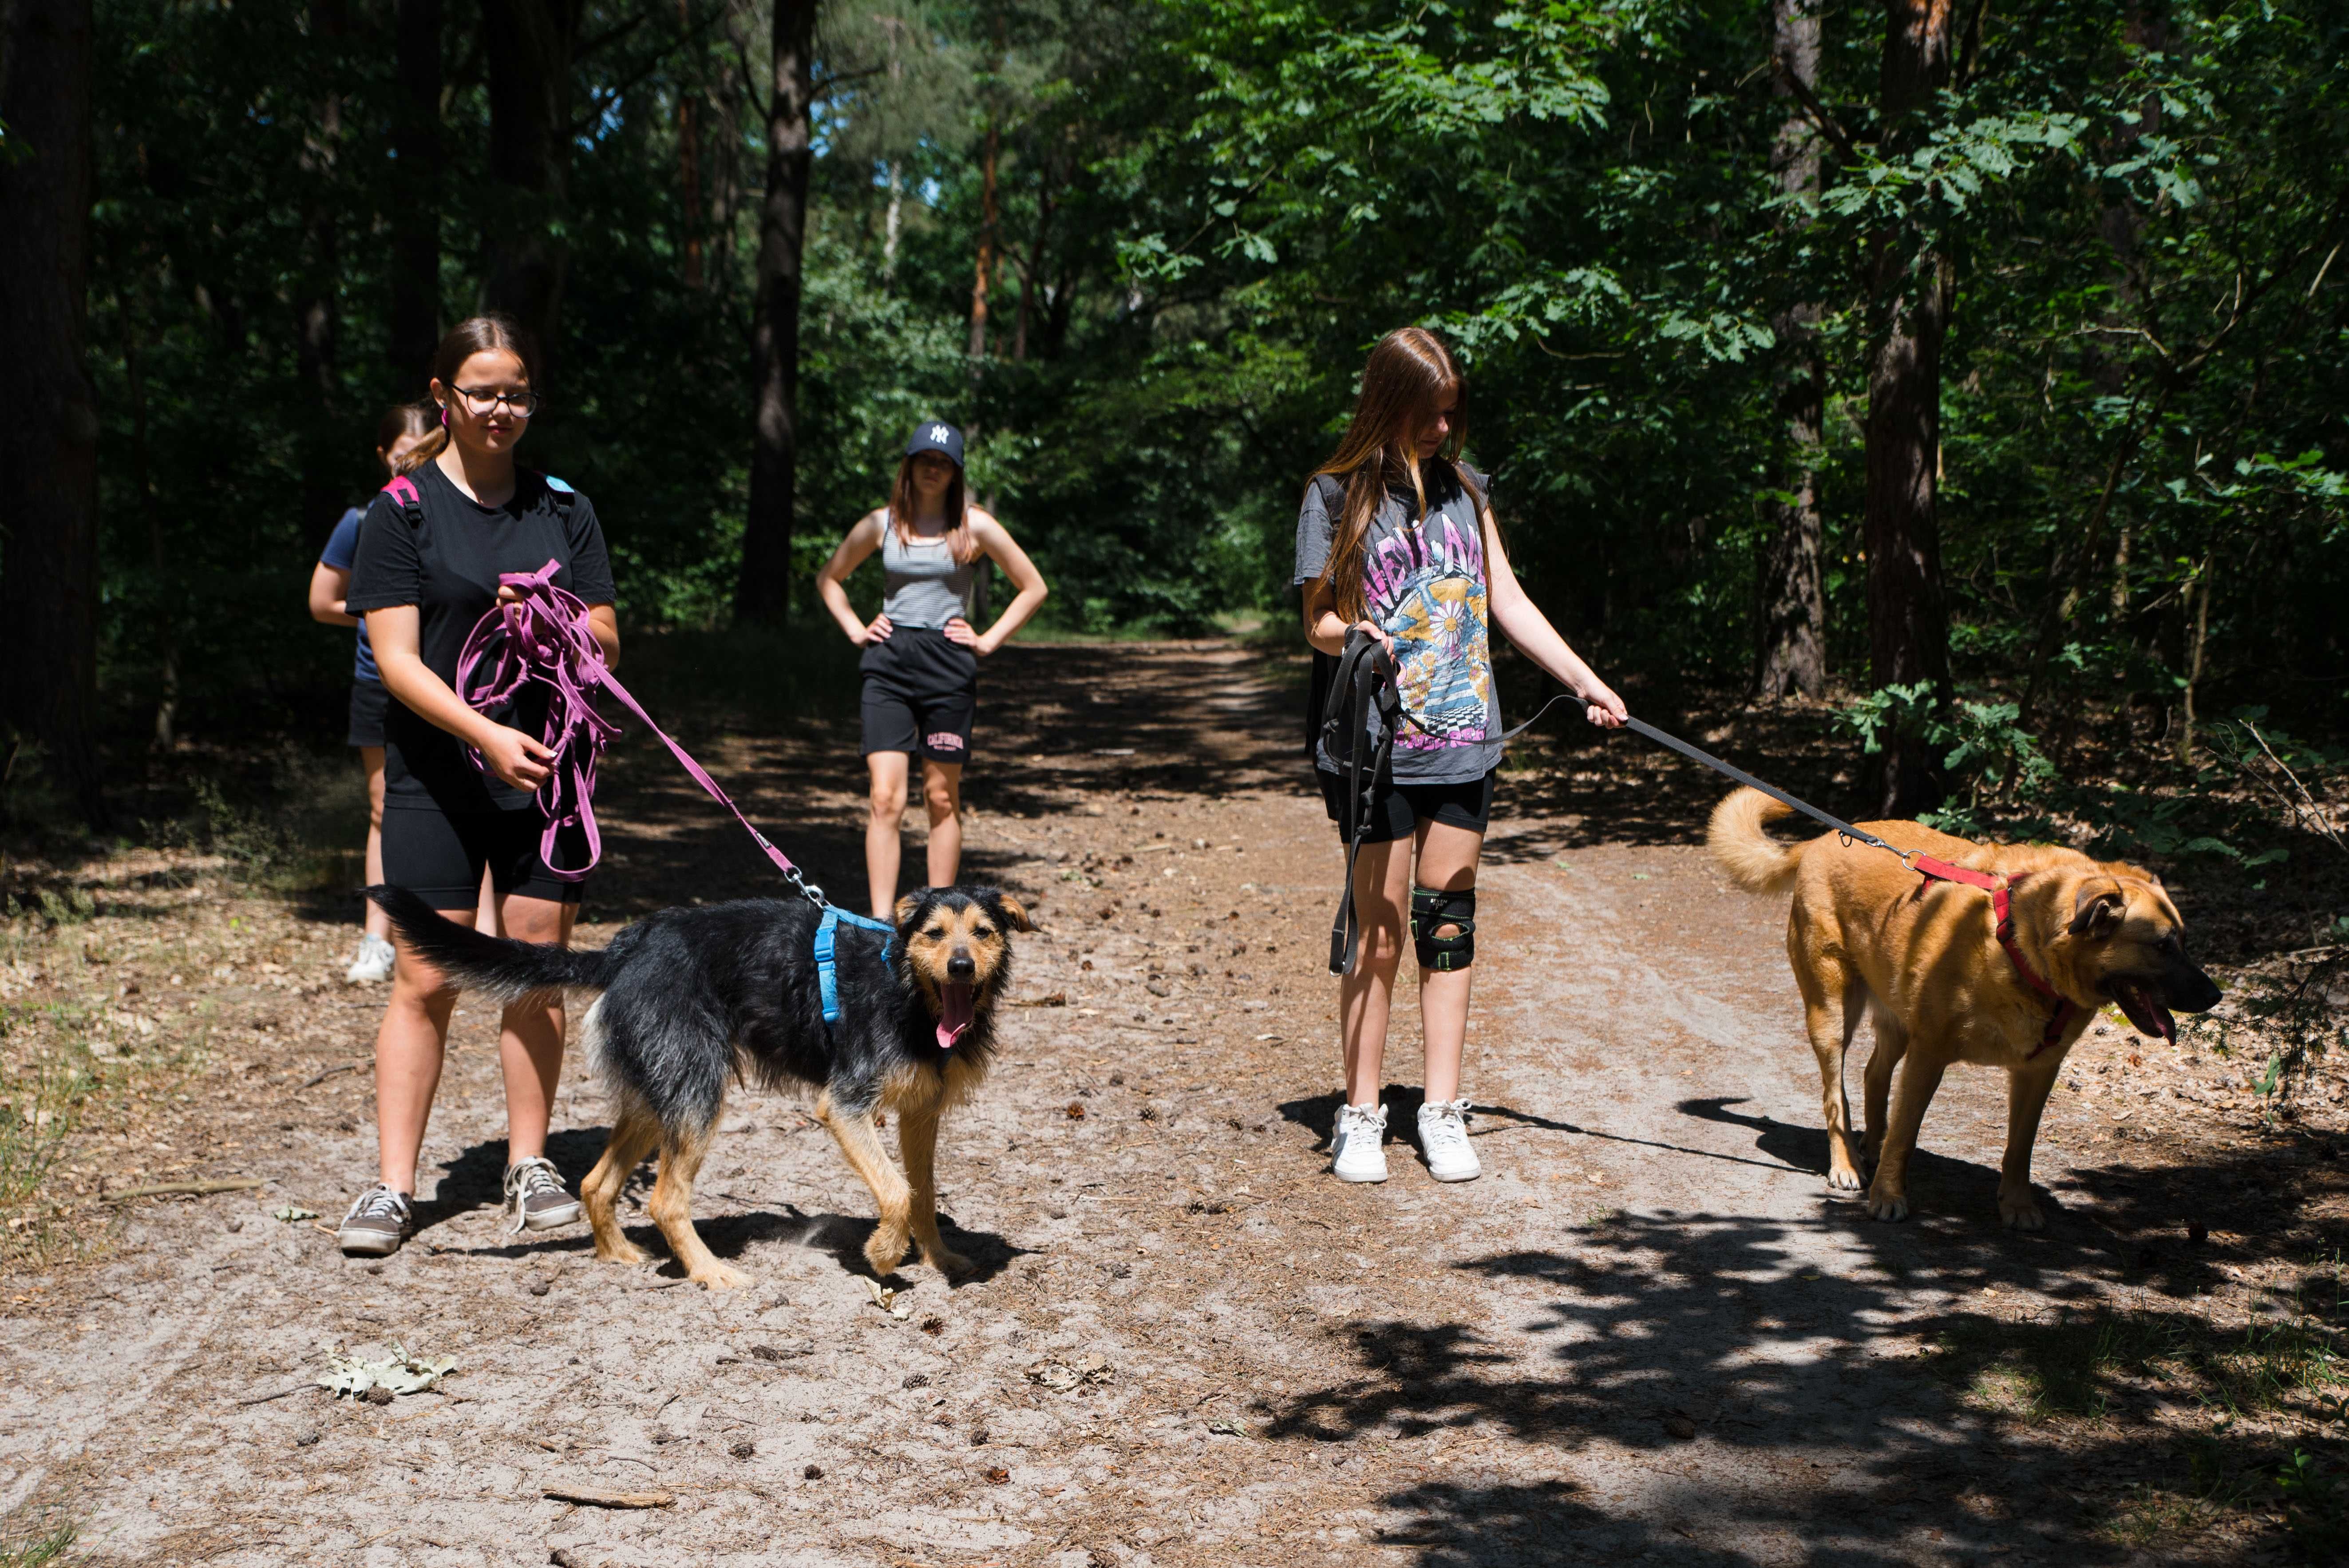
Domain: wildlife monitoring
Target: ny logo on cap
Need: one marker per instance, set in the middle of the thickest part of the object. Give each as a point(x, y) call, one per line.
point(940, 433)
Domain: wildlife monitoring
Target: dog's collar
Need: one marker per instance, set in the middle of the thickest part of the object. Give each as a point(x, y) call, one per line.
point(2000, 904)
point(827, 974)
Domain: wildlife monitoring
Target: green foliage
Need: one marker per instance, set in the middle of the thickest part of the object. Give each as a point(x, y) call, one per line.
point(1206, 212)
point(1989, 756)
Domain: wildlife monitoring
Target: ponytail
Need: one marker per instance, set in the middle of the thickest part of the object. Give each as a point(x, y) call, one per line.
point(404, 420)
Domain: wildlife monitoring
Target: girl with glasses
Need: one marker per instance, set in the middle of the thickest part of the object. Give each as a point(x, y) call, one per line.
point(921, 652)
point(429, 552)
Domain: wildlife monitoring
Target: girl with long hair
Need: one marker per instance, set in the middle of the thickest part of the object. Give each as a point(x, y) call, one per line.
point(403, 428)
point(1396, 537)
point(921, 652)
point(429, 555)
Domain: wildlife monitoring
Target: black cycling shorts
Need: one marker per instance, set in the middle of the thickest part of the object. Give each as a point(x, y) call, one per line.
point(439, 857)
point(368, 700)
point(921, 695)
point(1397, 808)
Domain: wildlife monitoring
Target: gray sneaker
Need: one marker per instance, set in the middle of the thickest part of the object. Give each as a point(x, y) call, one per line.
point(535, 1200)
point(378, 1224)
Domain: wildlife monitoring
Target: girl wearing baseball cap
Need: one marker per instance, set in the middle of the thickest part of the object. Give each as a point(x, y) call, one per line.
point(921, 652)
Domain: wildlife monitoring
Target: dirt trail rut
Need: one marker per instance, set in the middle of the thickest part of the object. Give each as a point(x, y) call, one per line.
point(1647, 1334)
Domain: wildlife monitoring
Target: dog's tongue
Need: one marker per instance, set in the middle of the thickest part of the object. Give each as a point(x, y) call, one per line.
point(954, 1009)
point(2146, 1015)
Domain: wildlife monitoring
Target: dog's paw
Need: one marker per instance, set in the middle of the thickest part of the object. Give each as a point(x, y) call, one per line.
point(954, 1265)
point(884, 1252)
point(1891, 1207)
point(622, 1252)
point(2021, 1213)
point(1845, 1178)
point(720, 1276)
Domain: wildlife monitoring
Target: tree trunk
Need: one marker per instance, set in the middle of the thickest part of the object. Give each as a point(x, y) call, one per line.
point(689, 158)
point(529, 44)
point(2148, 29)
point(415, 325)
point(986, 248)
point(1913, 288)
point(48, 417)
point(890, 224)
point(1031, 272)
point(315, 322)
point(159, 559)
point(1791, 658)
point(763, 594)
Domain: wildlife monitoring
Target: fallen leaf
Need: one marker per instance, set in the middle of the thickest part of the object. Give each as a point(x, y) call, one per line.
point(997, 1476)
point(291, 1214)
point(399, 1373)
point(1227, 1429)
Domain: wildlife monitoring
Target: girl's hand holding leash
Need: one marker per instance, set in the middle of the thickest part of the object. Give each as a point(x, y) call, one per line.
point(878, 632)
point(517, 758)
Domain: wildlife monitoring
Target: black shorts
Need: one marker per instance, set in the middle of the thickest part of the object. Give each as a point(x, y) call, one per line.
point(368, 700)
point(1397, 809)
point(921, 695)
point(439, 857)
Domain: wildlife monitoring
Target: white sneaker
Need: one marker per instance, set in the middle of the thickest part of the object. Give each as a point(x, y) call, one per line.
point(1356, 1151)
point(1443, 1140)
point(373, 964)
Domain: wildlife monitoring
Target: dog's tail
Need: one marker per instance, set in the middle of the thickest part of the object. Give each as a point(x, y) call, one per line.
point(1754, 860)
point(493, 965)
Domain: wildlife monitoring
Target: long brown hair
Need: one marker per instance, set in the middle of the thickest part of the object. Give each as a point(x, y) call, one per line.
point(902, 501)
point(474, 335)
point(1409, 375)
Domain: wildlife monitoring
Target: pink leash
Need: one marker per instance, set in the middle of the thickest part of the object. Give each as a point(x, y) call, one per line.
point(543, 636)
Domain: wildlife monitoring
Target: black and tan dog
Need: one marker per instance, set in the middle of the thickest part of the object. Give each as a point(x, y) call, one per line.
point(1868, 936)
point(692, 997)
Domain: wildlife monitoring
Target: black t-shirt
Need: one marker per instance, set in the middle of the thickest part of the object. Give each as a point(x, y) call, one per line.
point(447, 568)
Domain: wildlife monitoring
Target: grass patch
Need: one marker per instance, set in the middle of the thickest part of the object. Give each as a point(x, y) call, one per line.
point(41, 1549)
point(2084, 1367)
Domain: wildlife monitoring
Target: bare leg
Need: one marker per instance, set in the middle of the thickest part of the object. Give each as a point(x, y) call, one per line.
point(378, 920)
point(485, 914)
point(671, 1207)
point(1447, 862)
point(942, 799)
point(917, 1139)
point(1366, 996)
point(634, 1133)
point(881, 849)
point(530, 1034)
point(1888, 1195)
point(861, 1142)
point(2026, 1098)
point(408, 1046)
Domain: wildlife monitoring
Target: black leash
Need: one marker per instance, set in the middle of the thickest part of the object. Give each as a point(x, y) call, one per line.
point(1365, 678)
point(1751, 782)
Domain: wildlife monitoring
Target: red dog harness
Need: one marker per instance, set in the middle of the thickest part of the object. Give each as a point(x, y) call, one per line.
point(1933, 869)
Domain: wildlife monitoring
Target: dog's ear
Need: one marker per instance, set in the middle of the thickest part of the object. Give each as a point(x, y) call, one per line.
point(1009, 910)
point(909, 905)
point(2096, 907)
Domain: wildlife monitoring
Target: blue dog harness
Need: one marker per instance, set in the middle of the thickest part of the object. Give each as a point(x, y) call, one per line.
point(827, 975)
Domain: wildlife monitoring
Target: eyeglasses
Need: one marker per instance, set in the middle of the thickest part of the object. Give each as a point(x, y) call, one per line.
point(480, 401)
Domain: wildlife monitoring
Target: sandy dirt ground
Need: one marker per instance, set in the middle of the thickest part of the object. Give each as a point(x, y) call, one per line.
point(1649, 1333)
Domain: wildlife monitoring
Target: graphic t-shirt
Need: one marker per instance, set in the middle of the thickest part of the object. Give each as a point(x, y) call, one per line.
point(448, 567)
point(342, 549)
point(1424, 584)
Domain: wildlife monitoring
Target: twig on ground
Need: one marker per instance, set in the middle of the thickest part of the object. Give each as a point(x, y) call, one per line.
point(595, 1497)
point(317, 1079)
point(159, 1189)
point(281, 1393)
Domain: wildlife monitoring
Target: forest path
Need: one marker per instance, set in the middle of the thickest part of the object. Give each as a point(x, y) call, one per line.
point(1647, 1334)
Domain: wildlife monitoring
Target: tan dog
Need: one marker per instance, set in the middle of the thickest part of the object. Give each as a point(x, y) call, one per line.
point(1869, 935)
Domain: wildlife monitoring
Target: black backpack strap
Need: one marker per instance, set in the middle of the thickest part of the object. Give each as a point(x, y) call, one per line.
point(1364, 684)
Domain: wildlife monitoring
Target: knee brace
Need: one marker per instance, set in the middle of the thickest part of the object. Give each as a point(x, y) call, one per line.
point(1430, 909)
